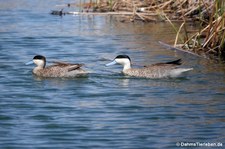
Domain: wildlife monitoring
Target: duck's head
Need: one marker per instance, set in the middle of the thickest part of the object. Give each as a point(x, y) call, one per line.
point(123, 60)
point(39, 60)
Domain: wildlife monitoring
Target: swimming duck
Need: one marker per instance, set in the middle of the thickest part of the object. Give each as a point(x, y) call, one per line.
point(158, 70)
point(59, 69)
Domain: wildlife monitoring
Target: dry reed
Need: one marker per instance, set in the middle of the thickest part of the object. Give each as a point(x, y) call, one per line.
point(209, 39)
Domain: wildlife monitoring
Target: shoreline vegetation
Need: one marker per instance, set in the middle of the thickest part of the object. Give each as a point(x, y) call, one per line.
point(207, 41)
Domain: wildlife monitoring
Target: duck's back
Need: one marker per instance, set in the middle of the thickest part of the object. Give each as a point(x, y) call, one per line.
point(70, 70)
point(156, 71)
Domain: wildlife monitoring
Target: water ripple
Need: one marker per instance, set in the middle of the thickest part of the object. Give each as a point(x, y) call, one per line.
point(105, 109)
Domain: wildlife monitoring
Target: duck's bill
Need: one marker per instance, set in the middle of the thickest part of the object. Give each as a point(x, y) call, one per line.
point(30, 62)
point(111, 63)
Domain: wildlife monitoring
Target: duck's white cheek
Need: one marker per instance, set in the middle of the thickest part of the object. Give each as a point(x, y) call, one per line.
point(38, 62)
point(123, 61)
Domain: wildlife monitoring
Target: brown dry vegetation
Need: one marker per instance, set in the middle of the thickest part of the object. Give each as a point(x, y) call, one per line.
point(173, 9)
point(210, 14)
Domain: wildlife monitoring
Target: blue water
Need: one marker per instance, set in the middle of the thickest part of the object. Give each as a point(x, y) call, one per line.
point(105, 109)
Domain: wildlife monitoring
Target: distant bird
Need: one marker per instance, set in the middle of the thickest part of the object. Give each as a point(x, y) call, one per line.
point(57, 12)
point(59, 69)
point(158, 70)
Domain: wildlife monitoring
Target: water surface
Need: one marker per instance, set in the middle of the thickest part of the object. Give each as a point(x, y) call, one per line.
point(106, 109)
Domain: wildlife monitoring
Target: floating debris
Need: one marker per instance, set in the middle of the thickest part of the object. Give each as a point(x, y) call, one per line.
point(58, 12)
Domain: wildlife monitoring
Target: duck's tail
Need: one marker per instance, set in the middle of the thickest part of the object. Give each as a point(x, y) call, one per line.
point(179, 71)
point(176, 62)
point(185, 69)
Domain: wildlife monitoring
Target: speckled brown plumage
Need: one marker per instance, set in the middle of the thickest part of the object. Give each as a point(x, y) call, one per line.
point(58, 69)
point(158, 70)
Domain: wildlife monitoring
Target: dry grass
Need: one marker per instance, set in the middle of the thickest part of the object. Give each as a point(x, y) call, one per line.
point(210, 37)
point(175, 9)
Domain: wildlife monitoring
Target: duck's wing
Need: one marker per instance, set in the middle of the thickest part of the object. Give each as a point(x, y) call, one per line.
point(59, 63)
point(176, 62)
point(171, 63)
point(69, 66)
point(74, 67)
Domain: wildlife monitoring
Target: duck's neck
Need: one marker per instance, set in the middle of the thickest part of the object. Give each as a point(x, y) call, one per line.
point(36, 69)
point(126, 66)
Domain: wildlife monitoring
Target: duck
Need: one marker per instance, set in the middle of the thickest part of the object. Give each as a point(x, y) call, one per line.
point(155, 71)
point(58, 69)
